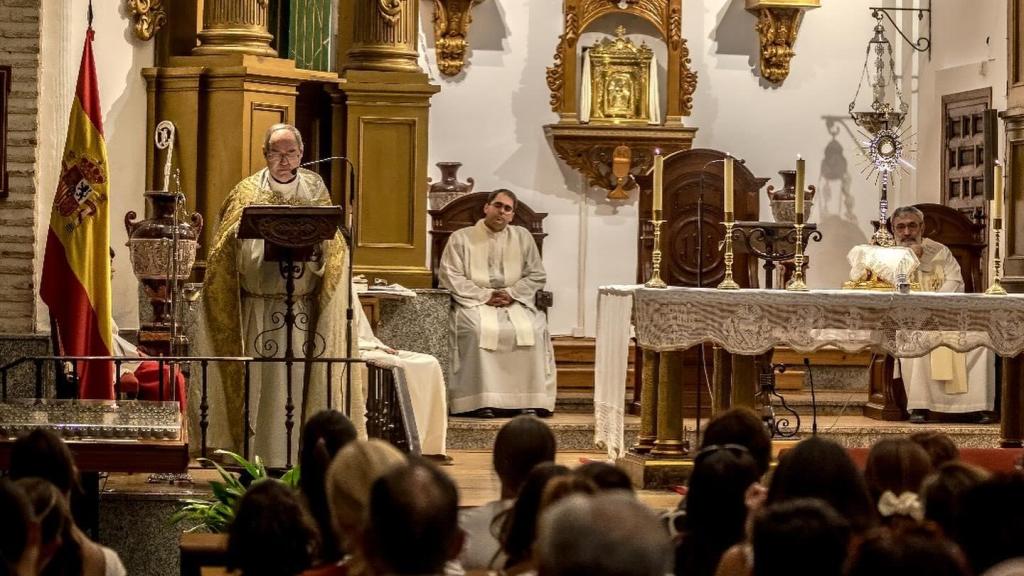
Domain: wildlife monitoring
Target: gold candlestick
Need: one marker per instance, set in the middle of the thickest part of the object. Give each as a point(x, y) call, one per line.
point(996, 288)
point(655, 281)
point(796, 283)
point(728, 283)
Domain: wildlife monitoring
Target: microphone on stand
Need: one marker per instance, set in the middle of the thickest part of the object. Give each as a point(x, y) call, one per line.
point(349, 232)
point(814, 402)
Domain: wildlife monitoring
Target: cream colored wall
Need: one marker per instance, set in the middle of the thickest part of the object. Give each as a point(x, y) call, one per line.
point(120, 58)
point(491, 119)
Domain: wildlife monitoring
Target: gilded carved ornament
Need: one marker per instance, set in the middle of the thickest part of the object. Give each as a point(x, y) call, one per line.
point(778, 22)
point(148, 16)
point(451, 26)
point(390, 10)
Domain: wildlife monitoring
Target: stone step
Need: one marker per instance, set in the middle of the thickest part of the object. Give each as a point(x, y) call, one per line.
point(572, 431)
point(830, 402)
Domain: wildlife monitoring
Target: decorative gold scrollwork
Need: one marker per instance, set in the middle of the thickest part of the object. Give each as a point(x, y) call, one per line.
point(451, 25)
point(148, 16)
point(390, 10)
point(556, 77)
point(675, 28)
point(777, 27)
point(687, 80)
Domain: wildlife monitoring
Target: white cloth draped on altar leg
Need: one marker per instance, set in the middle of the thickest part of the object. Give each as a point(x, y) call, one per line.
point(614, 315)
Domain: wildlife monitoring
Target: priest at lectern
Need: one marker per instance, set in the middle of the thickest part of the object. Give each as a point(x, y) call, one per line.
point(244, 305)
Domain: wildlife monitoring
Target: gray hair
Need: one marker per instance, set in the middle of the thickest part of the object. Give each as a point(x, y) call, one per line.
point(277, 128)
point(907, 211)
point(607, 534)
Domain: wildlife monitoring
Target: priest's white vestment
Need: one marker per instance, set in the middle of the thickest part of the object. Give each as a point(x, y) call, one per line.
point(946, 381)
point(502, 355)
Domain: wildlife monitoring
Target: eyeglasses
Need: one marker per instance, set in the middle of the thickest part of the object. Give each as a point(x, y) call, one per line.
point(502, 206)
point(279, 156)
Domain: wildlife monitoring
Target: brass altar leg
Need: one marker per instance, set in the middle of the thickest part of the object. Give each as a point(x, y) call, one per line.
point(721, 381)
point(648, 404)
point(1010, 425)
point(670, 407)
point(744, 380)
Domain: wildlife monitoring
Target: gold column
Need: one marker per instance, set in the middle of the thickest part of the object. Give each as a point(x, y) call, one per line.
point(648, 403)
point(669, 443)
point(384, 35)
point(235, 27)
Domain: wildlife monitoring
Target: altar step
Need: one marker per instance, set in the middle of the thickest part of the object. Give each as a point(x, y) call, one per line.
point(574, 362)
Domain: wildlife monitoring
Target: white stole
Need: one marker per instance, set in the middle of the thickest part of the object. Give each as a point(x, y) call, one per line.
point(512, 271)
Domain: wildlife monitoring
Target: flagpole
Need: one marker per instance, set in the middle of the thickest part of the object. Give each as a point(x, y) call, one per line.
point(89, 17)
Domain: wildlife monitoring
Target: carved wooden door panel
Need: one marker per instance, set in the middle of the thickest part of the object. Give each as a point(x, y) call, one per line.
point(963, 162)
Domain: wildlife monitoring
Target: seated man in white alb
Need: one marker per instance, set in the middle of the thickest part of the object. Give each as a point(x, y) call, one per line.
point(424, 380)
point(502, 351)
point(943, 381)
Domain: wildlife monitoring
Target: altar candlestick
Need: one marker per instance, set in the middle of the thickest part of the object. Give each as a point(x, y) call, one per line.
point(659, 167)
point(997, 191)
point(728, 185)
point(799, 192)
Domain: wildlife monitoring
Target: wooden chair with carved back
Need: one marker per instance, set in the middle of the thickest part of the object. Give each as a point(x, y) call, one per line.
point(965, 238)
point(464, 211)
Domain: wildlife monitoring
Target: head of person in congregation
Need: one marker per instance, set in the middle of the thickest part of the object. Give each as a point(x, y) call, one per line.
point(607, 534)
point(517, 527)
point(323, 435)
point(743, 426)
point(894, 471)
point(989, 522)
point(19, 532)
point(800, 537)
point(349, 479)
point(282, 149)
point(605, 477)
point(715, 507)
point(412, 526)
point(271, 535)
point(915, 550)
point(522, 443)
point(43, 454)
point(939, 446)
point(942, 491)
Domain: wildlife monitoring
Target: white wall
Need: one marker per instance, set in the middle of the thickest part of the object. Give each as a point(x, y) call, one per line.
point(491, 119)
point(120, 57)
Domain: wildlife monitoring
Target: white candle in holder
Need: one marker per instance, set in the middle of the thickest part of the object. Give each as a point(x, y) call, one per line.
point(799, 191)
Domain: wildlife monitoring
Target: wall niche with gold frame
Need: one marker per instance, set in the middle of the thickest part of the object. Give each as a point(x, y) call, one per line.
point(607, 95)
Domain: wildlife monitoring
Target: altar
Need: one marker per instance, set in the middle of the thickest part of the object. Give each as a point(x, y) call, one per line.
point(750, 322)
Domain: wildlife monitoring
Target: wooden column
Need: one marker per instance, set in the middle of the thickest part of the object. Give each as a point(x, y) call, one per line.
point(235, 27)
point(669, 443)
point(648, 403)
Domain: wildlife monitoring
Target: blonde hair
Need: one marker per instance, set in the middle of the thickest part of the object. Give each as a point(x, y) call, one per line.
point(350, 477)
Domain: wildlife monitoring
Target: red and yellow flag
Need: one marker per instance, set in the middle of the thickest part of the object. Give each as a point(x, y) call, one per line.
point(76, 268)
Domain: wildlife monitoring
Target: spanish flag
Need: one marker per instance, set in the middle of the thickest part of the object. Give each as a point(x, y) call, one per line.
point(76, 268)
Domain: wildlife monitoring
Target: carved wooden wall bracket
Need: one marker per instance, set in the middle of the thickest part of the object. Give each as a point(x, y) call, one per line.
point(148, 16)
point(451, 26)
point(778, 22)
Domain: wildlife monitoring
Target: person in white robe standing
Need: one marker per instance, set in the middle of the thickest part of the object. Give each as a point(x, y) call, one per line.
point(503, 357)
point(424, 380)
point(943, 381)
point(243, 310)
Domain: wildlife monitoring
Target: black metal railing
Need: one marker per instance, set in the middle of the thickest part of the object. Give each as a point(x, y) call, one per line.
point(388, 409)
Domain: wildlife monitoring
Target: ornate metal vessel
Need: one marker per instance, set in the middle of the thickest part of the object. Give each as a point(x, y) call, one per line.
point(449, 188)
point(783, 201)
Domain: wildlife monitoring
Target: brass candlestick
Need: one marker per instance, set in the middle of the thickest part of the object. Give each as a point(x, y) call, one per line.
point(655, 280)
point(996, 288)
point(797, 282)
point(728, 283)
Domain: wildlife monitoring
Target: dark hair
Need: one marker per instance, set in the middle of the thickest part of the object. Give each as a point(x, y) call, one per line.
point(17, 518)
point(271, 533)
point(605, 476)
point(742, 426)
point(716, 509)
point(820, 468)
point(413, 519)
point(51, 511)
point(42, 454)
point(896, 465)
point(938, 445)
point(942, 490)
point(494, 194)
point(519, 523)
point(916, 550)
point(804, 536)
point(522, 443)
point(323, 435)
point(990, 521)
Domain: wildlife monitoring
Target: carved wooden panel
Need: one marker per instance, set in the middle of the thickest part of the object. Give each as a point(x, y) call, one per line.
point(963, 146)
point(5, 92)
point(387, 207)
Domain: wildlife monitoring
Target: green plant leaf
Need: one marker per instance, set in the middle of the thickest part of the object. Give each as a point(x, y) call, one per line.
point(256, 470)
point(291, 477)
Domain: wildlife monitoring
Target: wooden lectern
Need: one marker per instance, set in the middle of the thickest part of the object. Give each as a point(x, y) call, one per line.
point(291, 234)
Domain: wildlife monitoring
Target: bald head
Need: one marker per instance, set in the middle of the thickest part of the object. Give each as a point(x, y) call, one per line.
point(608, 534)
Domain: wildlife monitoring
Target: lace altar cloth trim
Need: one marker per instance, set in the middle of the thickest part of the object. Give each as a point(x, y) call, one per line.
point(755, 321)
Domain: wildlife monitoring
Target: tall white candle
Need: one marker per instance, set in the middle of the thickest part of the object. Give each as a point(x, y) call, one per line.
point(728, 188)
point(997, 191)
point(799, 192)
point(659, 167)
